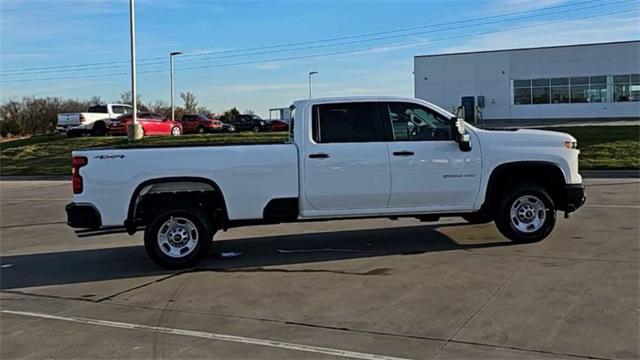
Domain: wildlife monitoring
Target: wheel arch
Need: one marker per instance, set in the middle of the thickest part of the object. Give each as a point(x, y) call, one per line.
point(547, 174)
point(174, 185)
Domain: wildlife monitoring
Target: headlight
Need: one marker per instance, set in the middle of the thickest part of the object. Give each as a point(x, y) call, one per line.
point(261, 123)
point(571, 144)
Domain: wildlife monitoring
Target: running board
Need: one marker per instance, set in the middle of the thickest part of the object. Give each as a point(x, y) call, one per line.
point(102, 231)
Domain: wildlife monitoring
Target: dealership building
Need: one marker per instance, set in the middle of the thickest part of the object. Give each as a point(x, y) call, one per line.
point(546, 84)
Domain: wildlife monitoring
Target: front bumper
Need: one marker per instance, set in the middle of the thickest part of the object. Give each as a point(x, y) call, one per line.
point(574, 197)
point(83, 216)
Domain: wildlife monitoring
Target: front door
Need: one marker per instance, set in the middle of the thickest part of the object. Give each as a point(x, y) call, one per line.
point(346, 166)
point(428, 169)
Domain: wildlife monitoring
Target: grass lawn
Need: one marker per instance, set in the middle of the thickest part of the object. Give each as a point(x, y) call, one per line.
point(51, 154)
point(602, 147)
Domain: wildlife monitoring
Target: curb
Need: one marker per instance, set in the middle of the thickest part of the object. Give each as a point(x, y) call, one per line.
point(610, 174)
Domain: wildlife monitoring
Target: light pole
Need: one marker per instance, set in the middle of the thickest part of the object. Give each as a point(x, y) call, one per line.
point(171, 55)
point(311, 73)
point(134, 131)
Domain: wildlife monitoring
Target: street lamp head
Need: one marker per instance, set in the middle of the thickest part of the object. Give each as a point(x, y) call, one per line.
point(174, 53)
point(313, 73)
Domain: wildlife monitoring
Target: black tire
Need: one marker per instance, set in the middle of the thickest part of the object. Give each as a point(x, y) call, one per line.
point(256, 129)
point(478, 218)
point(72, 134)
point(201, 130)
point(174, 129)
point(509, 227)
point(205, 230)
point(99, 129)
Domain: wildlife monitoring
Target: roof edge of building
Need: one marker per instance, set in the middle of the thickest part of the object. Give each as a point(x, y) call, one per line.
point(530, 48)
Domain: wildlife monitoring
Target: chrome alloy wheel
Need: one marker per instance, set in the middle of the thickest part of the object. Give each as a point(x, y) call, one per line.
point(178, 237)
point(528, 214)
point(175, 131)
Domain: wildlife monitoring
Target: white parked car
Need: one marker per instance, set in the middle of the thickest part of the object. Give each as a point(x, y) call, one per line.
point(347, 158)
point(94, 121)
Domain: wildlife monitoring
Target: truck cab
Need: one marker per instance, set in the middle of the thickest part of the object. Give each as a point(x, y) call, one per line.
point(345, 158)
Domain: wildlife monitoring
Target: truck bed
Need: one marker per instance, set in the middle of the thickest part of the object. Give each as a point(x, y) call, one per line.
point(248, 175)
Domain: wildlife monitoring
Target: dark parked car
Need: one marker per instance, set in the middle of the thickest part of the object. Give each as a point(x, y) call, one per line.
point(250, 123)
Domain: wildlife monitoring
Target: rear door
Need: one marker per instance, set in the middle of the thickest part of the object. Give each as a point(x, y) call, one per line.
point(346, 163)
point(428, 169)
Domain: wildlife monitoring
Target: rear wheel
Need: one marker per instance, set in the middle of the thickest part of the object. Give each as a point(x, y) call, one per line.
point(178, 238)
point(526, 214)
point(175, 131)
point(256, 129)
point(201, 130)
point(99, 129)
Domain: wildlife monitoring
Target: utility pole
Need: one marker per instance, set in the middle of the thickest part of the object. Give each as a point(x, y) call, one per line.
point(134, 131)
point(310, 74)
point(171, 55)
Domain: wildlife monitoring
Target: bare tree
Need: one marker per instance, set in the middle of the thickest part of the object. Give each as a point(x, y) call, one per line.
point(248, 112)
point(190, 102)
point(125, 98)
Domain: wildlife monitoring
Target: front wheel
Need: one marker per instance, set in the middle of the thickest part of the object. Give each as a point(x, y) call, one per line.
point(178, 238)
point(175, 131)
point(256, 129)
point(526, 214)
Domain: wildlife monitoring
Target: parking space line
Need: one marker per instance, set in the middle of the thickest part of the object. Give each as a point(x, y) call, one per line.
point(208, 335)
point(615, 206)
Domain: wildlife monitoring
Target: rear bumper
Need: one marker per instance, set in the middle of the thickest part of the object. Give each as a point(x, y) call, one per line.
point(574, 197)
point(83, 216)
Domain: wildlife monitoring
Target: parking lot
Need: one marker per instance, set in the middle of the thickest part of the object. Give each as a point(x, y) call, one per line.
point(360, 288)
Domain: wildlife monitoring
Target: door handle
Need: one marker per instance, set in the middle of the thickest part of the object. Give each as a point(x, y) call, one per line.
point(319, 156)
point(403, 153)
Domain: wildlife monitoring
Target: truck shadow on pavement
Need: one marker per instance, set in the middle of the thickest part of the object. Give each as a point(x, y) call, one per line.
point(69, 267)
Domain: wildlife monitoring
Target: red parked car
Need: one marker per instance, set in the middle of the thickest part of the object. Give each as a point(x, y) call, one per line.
point(200, 124)
point(278, 125)
point(152, 124)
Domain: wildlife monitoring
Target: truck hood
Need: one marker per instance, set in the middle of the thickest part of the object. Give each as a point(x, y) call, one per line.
point(525, 137)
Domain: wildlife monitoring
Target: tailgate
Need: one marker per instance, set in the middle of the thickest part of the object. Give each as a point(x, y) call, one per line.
point(68, 119)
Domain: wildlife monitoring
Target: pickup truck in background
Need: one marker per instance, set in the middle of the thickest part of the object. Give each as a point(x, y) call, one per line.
point(94, 121)
point(346, 158)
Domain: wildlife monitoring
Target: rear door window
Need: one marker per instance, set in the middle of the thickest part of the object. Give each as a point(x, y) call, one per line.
point(347, 122)
point(98, 109)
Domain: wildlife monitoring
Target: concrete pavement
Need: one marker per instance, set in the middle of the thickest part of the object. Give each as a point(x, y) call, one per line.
point(357, 288)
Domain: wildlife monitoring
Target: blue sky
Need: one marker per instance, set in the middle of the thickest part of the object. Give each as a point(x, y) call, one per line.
point(56, 33)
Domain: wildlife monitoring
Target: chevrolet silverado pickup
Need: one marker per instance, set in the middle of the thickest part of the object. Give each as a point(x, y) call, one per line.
point(345, 158)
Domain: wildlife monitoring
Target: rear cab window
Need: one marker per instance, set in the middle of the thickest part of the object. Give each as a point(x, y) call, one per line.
point(347, 123)
point(98, 109)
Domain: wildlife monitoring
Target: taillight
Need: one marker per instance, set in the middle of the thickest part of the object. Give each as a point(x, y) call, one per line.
point(76, 163)
point(81, 118)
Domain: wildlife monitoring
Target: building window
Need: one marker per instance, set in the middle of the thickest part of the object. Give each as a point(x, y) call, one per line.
point(598, 89)
point(626, 88)
point(560, 91)
point(541, 91)
point(522, 92)
point(579, 89)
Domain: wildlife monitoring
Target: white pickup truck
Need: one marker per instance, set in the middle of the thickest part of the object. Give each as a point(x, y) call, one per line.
point(345, 158)
point(94, 121)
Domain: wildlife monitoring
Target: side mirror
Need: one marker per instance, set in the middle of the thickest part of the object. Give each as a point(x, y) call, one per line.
point(460, 134)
